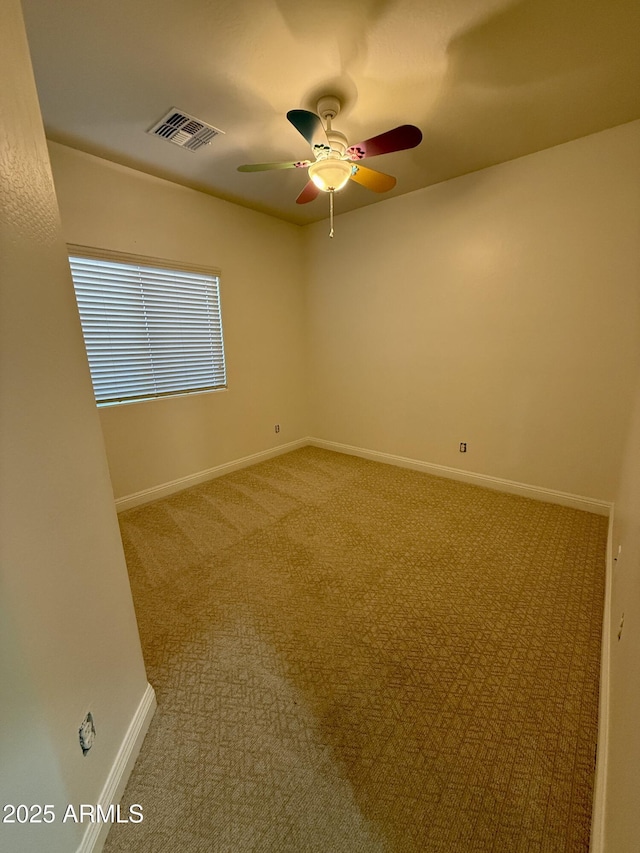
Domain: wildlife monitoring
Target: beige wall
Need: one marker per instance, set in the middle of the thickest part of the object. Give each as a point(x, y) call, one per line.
point(499, 308)
point(69, 637)
point(262, 291)
point(493, 309)
point(622, 816)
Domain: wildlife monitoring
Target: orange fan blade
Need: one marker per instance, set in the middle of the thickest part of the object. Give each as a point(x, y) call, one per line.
point(372, 180)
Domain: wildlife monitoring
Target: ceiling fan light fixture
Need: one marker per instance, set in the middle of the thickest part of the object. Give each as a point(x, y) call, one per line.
point(330, 175)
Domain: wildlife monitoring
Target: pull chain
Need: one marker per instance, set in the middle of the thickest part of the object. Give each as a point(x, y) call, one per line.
point(331, 212)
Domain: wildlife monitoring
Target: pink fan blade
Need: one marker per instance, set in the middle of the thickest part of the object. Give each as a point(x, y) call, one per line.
point(309, 192)
point(398, 139)
point(261, 167)
point(372, 180)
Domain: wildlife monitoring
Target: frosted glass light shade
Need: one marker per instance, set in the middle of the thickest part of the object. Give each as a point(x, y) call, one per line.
point(330, 174)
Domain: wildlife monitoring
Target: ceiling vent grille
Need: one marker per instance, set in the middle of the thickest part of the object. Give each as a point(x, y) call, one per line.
point(184, 130)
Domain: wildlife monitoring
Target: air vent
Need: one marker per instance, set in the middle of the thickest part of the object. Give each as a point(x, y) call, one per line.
point(184, 130)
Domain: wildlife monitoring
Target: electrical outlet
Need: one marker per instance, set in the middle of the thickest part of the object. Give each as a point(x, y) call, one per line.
point(463, 447)
point(277, 427)
point(87, 733)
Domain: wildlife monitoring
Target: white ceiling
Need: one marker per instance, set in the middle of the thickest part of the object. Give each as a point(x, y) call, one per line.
point(485, 80)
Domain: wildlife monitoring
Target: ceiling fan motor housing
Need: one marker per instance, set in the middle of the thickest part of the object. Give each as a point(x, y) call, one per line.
point(338, 142)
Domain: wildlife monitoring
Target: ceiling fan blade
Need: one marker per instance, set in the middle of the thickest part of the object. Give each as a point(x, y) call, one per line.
point(262, 167)
point(309, 192)
point(310, 126)
point(372, 180)
point(398, 139)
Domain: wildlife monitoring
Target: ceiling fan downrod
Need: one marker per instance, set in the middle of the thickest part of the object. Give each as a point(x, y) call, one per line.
point(328, 109)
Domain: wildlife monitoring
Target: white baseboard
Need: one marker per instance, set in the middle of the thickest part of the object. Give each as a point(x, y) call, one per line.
point(96, 833)
point(598, 814)
point(536, 492)
point(164, 489)
point(540, 493)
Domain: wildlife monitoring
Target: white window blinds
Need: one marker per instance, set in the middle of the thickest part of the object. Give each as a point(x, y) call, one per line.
point(150, 330)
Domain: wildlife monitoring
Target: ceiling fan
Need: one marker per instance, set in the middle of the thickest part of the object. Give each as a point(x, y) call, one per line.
point(335, 161)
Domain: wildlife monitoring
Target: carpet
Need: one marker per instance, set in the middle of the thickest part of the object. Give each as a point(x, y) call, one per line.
point(350, 656)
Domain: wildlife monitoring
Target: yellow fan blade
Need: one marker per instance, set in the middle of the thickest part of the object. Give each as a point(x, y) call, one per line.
point(372, 180)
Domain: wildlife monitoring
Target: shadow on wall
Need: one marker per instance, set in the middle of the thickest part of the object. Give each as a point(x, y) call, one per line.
point(504, 75)
point(349, 24)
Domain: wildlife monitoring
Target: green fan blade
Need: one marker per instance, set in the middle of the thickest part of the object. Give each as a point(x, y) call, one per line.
point(310, 126)
point(262, 167)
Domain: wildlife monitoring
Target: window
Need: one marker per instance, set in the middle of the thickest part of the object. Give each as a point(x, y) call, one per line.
point(151, 328)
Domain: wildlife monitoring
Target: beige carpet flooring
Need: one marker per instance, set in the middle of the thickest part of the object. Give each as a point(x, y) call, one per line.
point(355, 658)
